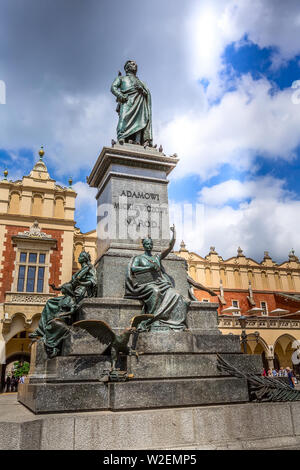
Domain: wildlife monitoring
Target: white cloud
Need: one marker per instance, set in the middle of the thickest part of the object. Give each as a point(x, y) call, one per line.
point(72, 130)
point(268, 222)
point(85, 196)
point(246, 122)
point(263, 188)
point(214, 25)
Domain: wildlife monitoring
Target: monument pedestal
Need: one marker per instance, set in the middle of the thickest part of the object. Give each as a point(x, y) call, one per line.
point(174, 368)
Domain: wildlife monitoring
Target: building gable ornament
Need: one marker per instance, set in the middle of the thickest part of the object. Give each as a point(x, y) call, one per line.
point(35, 232)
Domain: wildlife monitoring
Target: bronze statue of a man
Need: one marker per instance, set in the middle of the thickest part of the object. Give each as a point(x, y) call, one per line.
point(134, 107)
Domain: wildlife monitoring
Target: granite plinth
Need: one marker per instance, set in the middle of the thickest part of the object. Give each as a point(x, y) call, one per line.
point(147, 366)
point(174, 368)
point(234, 426)
point(118, 312)
point(112, 267)
point(181, 392)
point(80, 368)
point(85, 396)
point(82, 343)
point(62, 397)
point(162, 366)
point(132, 196)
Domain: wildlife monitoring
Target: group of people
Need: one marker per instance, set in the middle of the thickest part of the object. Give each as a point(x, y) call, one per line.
point(12, 382)
point(282, 372)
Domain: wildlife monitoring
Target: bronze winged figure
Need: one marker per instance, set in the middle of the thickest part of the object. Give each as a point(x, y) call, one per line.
point(100, 330)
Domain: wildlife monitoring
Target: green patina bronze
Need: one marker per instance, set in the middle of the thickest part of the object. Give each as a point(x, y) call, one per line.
point(147, 281)
point(134, 107)
point(51, 327)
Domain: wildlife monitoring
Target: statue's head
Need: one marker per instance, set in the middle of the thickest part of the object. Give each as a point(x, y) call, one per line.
point(148, 244)
point(84, 257)
point(130, 66)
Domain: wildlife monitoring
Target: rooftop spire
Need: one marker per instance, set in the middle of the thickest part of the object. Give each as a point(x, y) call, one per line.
point(41, 152)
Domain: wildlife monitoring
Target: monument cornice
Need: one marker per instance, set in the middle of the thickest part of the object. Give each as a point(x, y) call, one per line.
point(137, 158)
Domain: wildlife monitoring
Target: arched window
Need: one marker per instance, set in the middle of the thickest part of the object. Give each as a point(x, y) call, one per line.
point(77, 250)
point(37, 205)
point(237, 278)
point(291, 283)
point(265, 280)
point(193, 272)
point(208, 276)
point(59, 210)
point(251, 278)
point(14, 203)
point(223, 277)
point(278, 283)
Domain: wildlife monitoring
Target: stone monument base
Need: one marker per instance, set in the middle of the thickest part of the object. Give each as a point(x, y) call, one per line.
point(249, 426)
point(173, 368)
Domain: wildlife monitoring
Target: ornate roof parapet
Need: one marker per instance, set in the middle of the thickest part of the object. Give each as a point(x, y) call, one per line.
point(240, 252)
point(34, 235)
point(267, 260)
point(213, 256)
point(183, 246)
point(266, 255)
point(292, 256)
point(35, 232)
point(40, 170)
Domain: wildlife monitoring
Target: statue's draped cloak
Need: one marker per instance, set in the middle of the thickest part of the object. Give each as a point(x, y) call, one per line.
point(53, 332)
point(159, 298)
point(135, 114)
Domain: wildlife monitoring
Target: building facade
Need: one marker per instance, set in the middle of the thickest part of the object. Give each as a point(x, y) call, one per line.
point(267, 293)
point(39, 245)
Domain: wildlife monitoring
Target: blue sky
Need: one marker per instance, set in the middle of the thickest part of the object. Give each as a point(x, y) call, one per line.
point(220, 74)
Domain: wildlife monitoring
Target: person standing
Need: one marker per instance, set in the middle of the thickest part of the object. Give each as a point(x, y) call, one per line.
point(282, 372)
point(290, 377)
point(13, 384)
point(8, 383)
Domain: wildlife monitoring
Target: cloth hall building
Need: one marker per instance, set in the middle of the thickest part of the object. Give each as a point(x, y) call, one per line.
point(39, 245)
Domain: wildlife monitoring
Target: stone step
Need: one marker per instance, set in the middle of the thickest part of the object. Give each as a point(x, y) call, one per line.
point(79, 342)
point(162, 366)
point(181, 392)
point(148, 366)
point(118, 312)
point(91, 396)
point(58, 397)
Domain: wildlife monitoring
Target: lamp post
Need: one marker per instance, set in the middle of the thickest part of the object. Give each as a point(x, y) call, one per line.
point(243, 321)
point(244, 337)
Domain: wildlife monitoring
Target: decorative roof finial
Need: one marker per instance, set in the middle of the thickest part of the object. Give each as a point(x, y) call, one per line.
point(41, 152)
point(292, 256)
point(70, 182)
point(182, 246)
point(5, 172)
point(240, 251)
